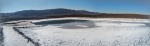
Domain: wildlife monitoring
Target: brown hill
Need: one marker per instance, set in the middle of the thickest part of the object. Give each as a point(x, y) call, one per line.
point(138, 16)
point(135, 16)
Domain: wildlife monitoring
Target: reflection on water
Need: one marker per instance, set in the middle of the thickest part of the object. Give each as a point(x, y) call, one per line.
point(58, 22)
point(147, 24)
point(79, 25)
point(69, 23)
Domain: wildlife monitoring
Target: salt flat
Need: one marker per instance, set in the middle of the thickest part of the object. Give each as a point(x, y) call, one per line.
point(94, 32)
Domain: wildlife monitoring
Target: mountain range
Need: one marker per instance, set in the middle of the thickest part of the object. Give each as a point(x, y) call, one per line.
point(57, 11)
point(61, 12)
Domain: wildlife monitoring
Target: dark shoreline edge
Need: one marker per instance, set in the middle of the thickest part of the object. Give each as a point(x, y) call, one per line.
point(133, 16)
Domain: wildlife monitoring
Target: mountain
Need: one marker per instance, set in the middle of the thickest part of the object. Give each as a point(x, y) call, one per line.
point(61, 12)
point(58, 11)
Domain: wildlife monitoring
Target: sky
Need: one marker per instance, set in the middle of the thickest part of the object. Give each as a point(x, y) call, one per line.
point(102, 6)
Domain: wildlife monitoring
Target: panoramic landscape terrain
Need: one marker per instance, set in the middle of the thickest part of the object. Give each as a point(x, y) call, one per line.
point(62, 12)
point(74, 23)
point(54, 27)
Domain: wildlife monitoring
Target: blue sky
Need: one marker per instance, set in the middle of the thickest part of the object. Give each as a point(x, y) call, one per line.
point(109, 6)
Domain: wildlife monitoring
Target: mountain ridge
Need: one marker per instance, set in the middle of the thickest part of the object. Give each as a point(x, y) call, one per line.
point(61, 13)
point(57, 11)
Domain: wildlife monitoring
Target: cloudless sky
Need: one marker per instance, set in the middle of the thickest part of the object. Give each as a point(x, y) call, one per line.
point(109, 6)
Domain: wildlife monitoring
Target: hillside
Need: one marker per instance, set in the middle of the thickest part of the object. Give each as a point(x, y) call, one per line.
point(57, 11)
point(61, 12)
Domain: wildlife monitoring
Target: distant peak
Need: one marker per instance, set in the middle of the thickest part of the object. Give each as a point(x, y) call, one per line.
point(61, 8)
